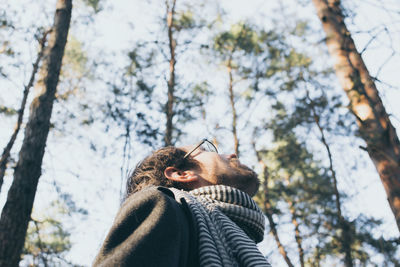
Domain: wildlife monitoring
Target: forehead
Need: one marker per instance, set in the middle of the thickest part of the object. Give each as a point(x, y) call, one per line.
point(190, 148)
point(187, 148)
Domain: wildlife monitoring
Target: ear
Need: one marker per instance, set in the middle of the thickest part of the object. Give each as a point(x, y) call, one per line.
point(177, 175)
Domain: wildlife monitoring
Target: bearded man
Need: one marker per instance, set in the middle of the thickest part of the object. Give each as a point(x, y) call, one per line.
point(187, 206)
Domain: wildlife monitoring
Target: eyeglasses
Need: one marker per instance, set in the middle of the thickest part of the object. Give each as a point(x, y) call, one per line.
point(205, 145)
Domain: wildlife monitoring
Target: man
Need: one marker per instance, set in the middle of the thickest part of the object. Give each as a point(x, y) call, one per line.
point(187, 206)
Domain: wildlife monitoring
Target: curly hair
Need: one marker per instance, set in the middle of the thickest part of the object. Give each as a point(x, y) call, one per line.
point(150, 171)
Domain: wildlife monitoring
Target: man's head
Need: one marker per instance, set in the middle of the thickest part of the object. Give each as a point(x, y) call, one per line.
point(175, 167)
point(150, 171)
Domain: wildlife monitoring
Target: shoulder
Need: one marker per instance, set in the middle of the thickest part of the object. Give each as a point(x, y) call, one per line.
point(151, 192)
point(159, 200)
point(149, 222)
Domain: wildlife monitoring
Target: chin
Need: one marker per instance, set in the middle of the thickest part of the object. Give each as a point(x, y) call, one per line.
point(249, 182)
point(242, 178)
point(249, 187)
point(253, 189)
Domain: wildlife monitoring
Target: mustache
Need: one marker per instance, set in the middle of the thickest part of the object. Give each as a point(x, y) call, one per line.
point(237, 164)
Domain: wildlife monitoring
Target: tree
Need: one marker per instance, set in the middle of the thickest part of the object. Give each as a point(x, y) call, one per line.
point(298, 191)
point(46, 242)
point(161, 100)
point(48, 239)
point(302, 190)
point(229, 46)
point(255, 58)
point(310, 189)
point(169, 106)
point(269, 210)
point(6, 152)
point(181, 26)
point(17, 210)
point(345, 238)
point(6, 50)
point(375, 127)
point(249, 55)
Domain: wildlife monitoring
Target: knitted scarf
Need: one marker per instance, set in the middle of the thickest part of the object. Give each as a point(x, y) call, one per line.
point(229, 224)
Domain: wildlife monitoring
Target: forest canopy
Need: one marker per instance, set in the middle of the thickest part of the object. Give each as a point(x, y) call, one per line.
point(304, 92)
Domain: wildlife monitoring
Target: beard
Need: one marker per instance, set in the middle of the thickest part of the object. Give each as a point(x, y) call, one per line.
point(241, 177)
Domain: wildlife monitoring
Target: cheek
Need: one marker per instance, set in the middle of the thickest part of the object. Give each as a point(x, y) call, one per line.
point(209, 160)
point(212, 165)
point(206, 165)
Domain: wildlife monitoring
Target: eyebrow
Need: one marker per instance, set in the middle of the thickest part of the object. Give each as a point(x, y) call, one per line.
point(195, 148)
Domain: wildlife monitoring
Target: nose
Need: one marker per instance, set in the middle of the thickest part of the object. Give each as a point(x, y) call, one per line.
point(231, 156)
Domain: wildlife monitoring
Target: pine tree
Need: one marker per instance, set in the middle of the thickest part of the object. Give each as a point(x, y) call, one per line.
point(17, 210)
point(6, 152)
point(48, 239)
point(375, 128)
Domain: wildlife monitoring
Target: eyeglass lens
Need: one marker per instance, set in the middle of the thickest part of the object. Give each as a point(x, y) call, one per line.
point(208, 146)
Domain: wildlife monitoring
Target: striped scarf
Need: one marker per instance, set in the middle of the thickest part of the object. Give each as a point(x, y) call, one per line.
point(229, 224)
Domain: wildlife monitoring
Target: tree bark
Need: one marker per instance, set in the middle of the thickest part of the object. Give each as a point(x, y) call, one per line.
point(171, 82)
point(232, 102)
point(297, 234)
point(17, 210)
point(6, 152)
point(375, 128)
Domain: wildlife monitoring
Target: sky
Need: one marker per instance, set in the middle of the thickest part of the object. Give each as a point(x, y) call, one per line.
point(116, 28)
point(372, 198)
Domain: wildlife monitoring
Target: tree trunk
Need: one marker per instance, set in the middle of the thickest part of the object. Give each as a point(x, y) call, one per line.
point(171, 82)
point(17, 210)
point(272, 225)
point(346, 236)
point(375, 128)
point(297, 235)
point(232, 101)
point(6, 152)
point(269, 212)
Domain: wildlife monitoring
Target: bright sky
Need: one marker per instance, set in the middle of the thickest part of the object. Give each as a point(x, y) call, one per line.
point(113, 32)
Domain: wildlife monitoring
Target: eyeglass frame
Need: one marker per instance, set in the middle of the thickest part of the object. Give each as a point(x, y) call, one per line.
point(205, 140)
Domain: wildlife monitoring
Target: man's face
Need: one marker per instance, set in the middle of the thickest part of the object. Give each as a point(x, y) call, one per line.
point(224, 169)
